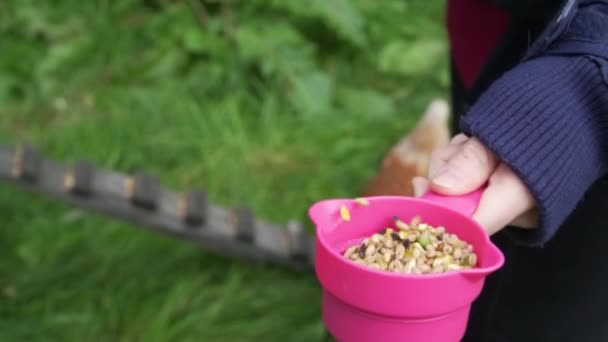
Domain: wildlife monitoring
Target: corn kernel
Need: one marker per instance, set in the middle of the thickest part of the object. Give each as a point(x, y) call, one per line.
point(362, 201)
point(345, 213)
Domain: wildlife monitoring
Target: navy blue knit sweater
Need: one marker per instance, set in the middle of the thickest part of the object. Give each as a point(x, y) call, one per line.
point(547, 118)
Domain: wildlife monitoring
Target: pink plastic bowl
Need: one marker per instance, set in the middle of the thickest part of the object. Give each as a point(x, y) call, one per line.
point(362, 304)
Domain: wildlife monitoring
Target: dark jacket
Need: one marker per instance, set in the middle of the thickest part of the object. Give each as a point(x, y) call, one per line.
point(541, 103)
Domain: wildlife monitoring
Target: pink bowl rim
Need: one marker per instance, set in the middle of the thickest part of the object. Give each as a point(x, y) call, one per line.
point(474, 271)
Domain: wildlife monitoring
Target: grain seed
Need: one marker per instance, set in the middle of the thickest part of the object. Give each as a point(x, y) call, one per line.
point(418, 248)
point(472, 259)
point(457, 253)
point(400, 251)
point(350, 251)
point(409, 267)
point(370, 250)
point(345, 213)
point(387, 256)
point(395, 266)
point(425, 268)
point(400, 224)
point(362, 201)
point(396, 236)
point(415, 221)
point(362, 250)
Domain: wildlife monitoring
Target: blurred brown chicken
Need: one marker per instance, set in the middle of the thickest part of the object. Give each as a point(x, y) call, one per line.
point(410, 156)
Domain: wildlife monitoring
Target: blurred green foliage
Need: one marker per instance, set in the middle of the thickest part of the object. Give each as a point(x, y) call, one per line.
point(357, 57)
point(270, 103)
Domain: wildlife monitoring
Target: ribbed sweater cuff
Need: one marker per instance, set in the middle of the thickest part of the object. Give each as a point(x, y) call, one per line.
point(544, 119)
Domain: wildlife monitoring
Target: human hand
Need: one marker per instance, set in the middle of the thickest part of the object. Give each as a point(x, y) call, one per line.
point(465, 165)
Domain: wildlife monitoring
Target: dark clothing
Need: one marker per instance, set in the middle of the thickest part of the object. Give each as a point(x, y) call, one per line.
point(540, 101)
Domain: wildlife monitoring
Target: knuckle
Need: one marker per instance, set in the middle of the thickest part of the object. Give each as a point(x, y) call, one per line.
point(443, 154)
point(474, 151)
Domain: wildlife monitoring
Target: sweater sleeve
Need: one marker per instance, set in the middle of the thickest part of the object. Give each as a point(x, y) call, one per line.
point(548, 120)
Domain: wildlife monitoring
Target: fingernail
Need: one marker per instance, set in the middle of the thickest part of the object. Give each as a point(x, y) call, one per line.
point(446, 179)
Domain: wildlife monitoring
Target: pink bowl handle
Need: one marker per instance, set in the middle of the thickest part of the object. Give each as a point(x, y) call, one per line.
point(326, 212)
point(465, 204)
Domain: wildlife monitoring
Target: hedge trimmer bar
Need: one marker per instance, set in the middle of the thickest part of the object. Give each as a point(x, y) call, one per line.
point(140, 199)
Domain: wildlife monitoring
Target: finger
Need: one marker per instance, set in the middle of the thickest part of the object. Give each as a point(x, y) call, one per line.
point(466, 170)
point(505, 199)
point(459, 139)
point(420, 185)
point(440, 157)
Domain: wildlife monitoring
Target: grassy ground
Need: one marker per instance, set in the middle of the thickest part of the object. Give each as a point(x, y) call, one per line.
point(268, 103)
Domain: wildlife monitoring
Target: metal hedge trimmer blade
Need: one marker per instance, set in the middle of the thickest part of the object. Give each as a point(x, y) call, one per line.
point(141, 199)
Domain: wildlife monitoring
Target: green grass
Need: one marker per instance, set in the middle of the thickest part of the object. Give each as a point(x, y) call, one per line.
point(295, 105)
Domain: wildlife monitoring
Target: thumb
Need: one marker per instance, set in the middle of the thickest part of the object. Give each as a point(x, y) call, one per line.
point(466, 170)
